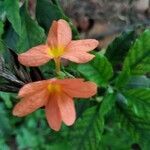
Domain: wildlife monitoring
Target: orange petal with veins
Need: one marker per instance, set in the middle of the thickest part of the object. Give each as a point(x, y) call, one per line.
point(60, 34)
point(53, 113)
point(35, 56)
point(30, 103)
point(68, 81)
point(82, 45)
point(32, 88)
point(79, 89)
point(76, 51)
point(67, 109)
point(78, 57)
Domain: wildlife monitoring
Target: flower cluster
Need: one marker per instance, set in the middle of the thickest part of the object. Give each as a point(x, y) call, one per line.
point(56, 95)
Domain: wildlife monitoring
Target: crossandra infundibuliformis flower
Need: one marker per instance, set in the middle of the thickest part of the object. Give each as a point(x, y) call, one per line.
point(59, 44)
point(56, 95)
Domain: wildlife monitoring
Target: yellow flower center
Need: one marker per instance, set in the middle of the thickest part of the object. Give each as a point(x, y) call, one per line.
point(53, 88)
point(56, 52)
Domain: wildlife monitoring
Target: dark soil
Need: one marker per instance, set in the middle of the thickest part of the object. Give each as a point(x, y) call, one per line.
point(106, 18)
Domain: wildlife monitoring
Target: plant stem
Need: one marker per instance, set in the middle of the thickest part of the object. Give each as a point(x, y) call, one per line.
point(57, 66)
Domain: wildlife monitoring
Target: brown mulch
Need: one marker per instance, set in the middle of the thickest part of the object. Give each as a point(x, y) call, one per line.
point(104, 19)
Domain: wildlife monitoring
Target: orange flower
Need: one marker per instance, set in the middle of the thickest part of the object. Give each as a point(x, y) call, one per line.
point(59, 45)
point(57, 97)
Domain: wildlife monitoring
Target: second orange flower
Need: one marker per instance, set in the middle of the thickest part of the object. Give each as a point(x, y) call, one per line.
point(57, 97)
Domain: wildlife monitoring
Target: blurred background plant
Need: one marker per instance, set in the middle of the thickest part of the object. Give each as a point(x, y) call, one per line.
point(118, 117)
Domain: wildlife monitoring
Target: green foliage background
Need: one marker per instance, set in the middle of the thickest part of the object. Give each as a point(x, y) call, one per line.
point(117, 118)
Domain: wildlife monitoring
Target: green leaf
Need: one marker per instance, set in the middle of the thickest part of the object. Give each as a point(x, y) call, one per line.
point(139, 55)
point(134, 110)
point(1, 28)
point(11, 38)
point(5, 127)
point(118, 49)
point(137, 61)
point(46, 12)
point(6, 97)
point(3, 144)
point(123, 78)
point(24, 141)
point(107, 103)
point(29, 32)
point(31, 35)
point(12, 13)
point(87, 131)
point(2, 11)
point(138, 82)
point(116, 138)
point(139, 102)
point(99, 70)
point(1, 32)
point(125, 121)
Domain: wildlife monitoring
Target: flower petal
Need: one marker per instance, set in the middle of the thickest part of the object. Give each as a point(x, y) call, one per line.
point(31, 88)
point(30, 103)
point(82, 45)
point(79, 89)
point(67, 109)
point(59, 35)
point(78, 57)
point(53, 113)
point(77, 50)
point(68, 81)
point(35, 56)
